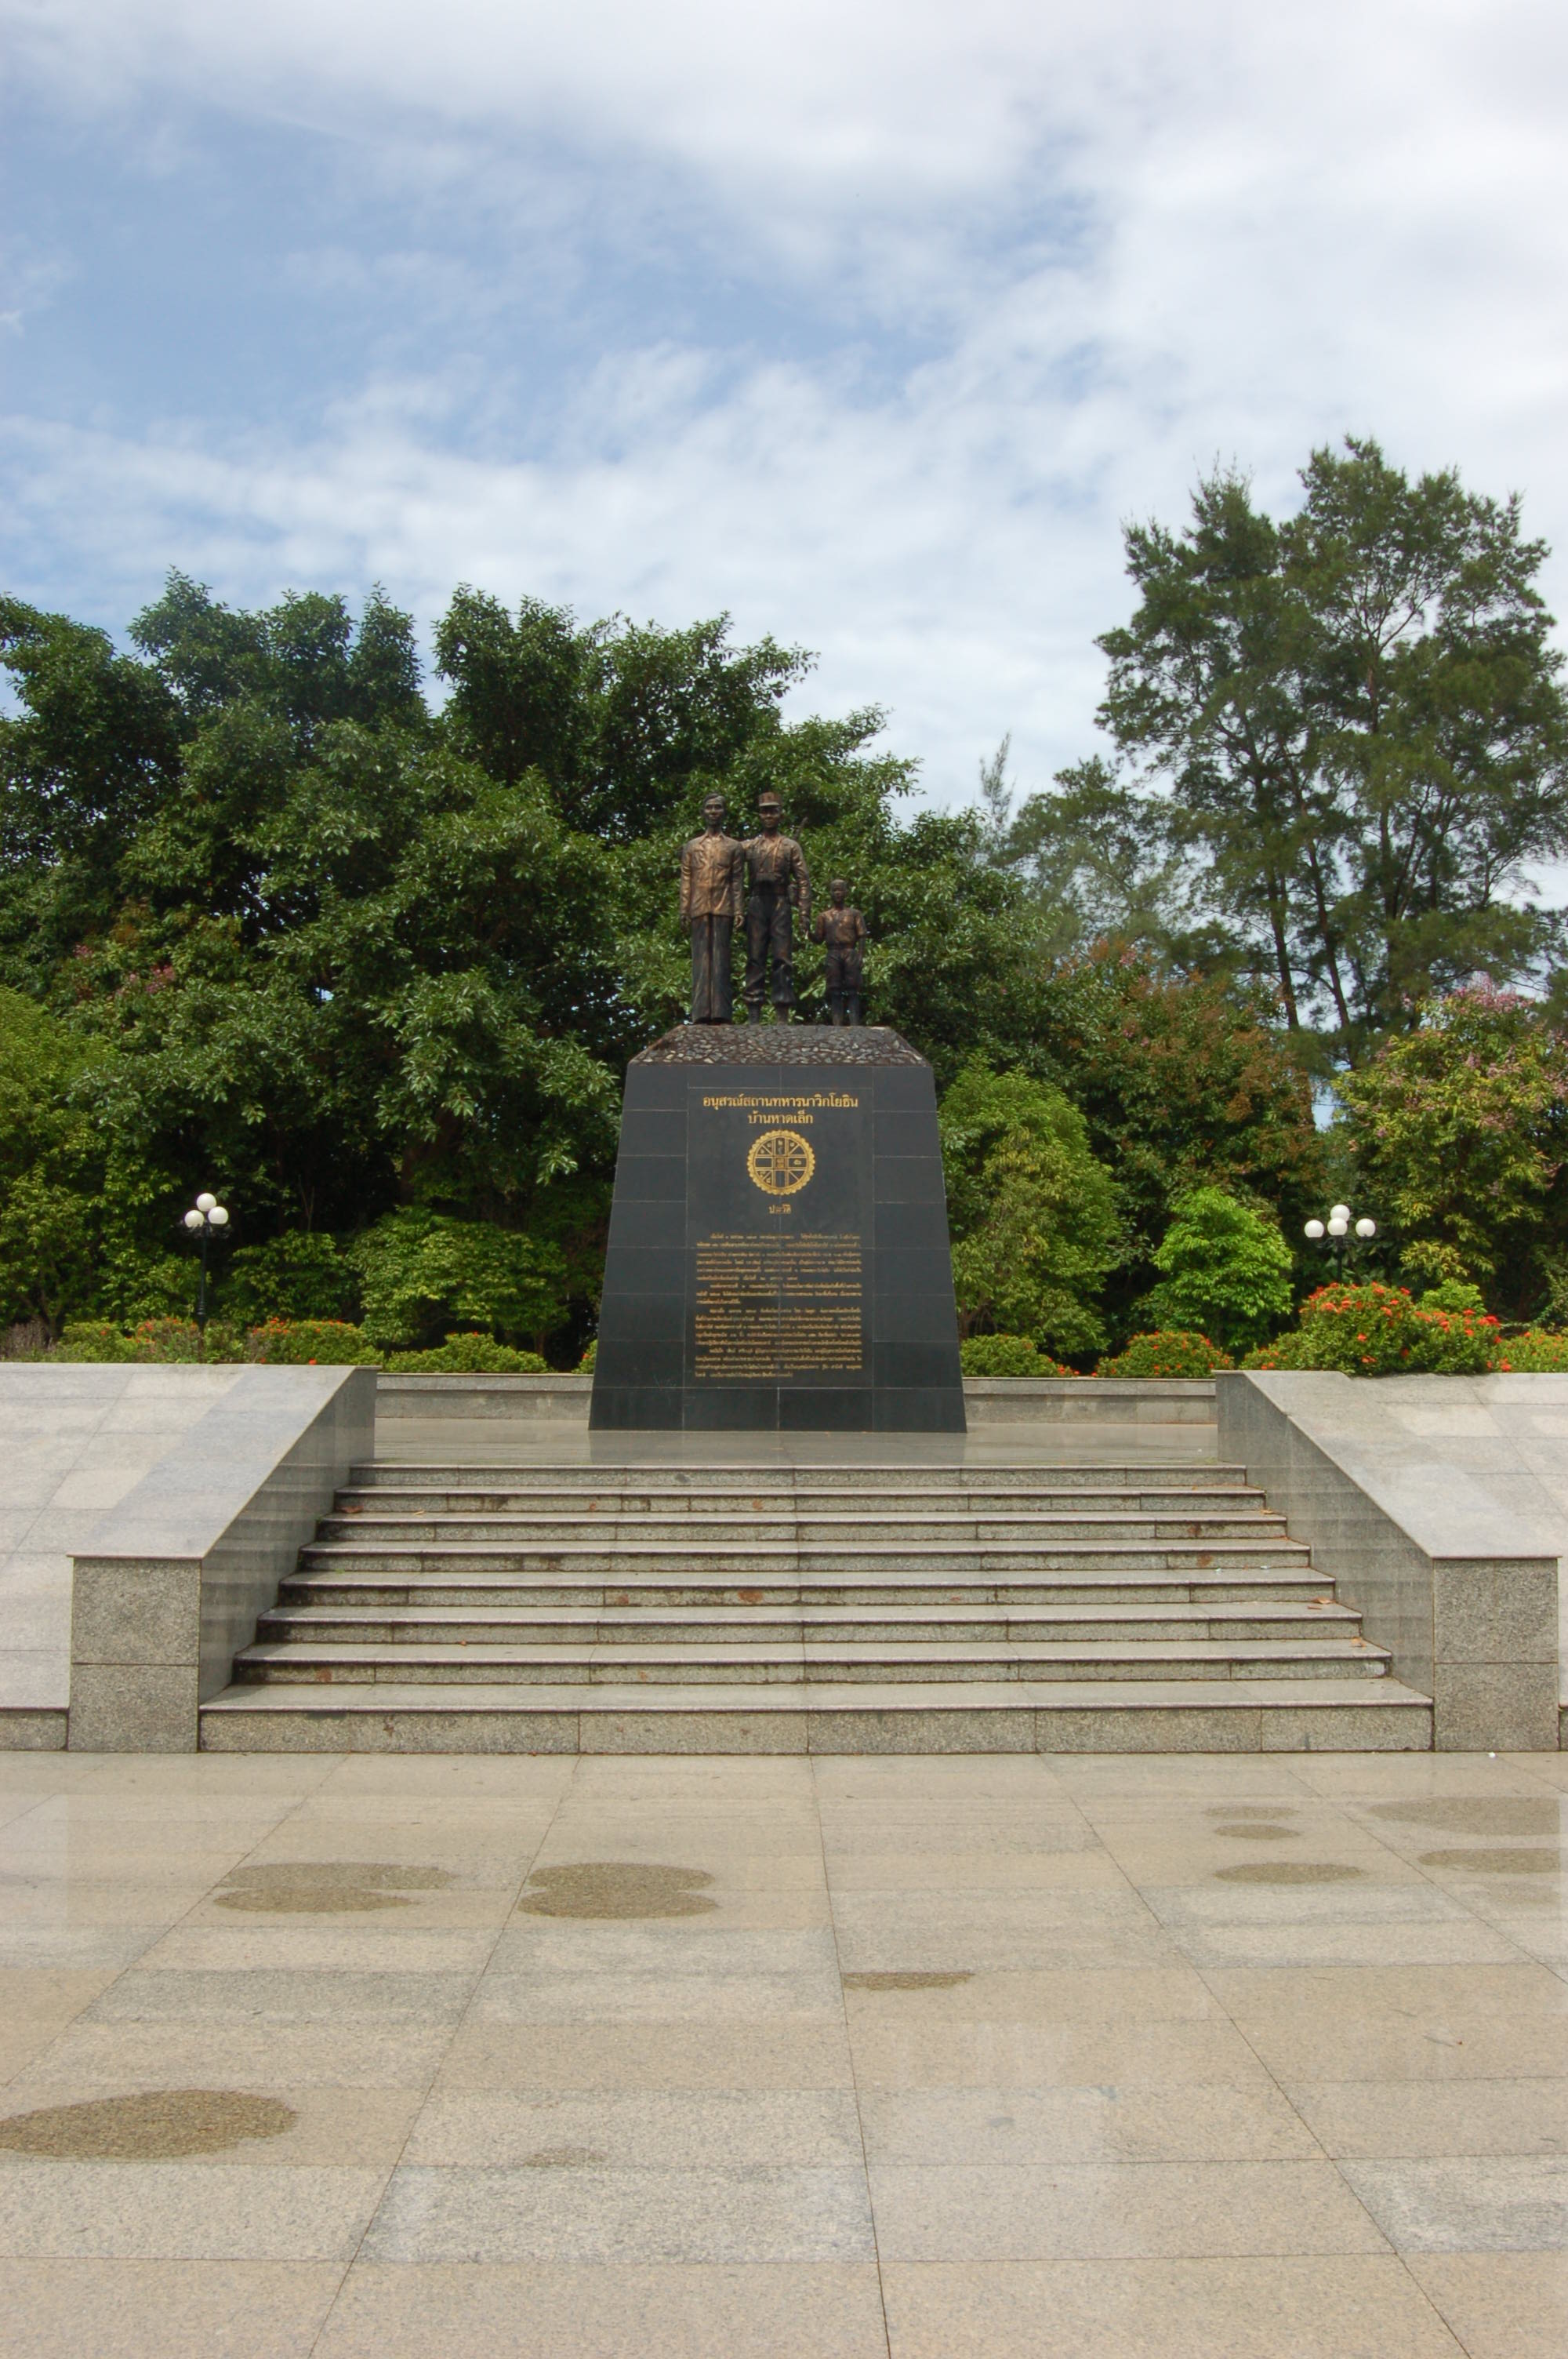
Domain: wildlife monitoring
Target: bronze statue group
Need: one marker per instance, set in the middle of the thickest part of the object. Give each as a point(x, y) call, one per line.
point(762, 884)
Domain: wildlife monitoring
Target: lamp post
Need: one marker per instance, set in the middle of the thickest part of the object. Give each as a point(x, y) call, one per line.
point(1334, 1235)
point(205, 1216)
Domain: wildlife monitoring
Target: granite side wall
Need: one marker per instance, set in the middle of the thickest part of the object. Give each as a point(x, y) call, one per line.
point(170, 1585)
point(1453, 1567)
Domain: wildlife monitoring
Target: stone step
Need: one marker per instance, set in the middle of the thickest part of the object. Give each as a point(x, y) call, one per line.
point(835, 1476)
point(890, 1658)
point(741, 1557)
point(1279, 1715)
point(834, 1531)
point(801, 1504)
point(714, 1626)
point(824, 1585)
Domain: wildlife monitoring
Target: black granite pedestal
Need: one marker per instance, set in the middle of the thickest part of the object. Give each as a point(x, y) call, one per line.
point(778, 1242)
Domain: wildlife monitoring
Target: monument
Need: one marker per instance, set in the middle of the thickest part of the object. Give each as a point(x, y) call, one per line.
point(778, 1252)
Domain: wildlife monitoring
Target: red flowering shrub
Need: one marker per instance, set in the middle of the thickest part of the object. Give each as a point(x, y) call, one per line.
point(1535, 1353)
point(303, 1343)
point(1380, 1331)
point(1168, 1352)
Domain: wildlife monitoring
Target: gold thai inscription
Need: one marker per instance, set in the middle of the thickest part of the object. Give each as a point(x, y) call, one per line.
point(777, 1305)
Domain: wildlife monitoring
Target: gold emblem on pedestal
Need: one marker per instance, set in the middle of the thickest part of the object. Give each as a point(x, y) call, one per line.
point(781, 1162)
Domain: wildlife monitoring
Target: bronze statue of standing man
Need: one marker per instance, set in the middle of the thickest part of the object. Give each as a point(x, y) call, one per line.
point(712, 888)
point(779, 886)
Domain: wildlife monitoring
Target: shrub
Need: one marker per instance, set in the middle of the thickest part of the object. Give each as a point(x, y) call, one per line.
point(166, 1340)
point(585, 1366)
point(467, 1355)
point(1455, 1342)
point(1380, 1330)
point(299, 1342)
point(421, 1273)
point(1291, 1350)
point(1454, 1294)
point(93, 1339)
point(1007, 1356)
point(295, 1276)
point(1225, 1270)
point(1535, 1353)
point(1170, 1352)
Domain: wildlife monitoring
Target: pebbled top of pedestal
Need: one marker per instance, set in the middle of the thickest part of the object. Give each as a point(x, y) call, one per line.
point(780, 1044)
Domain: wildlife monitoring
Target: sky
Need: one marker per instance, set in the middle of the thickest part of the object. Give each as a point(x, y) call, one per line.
point(869, 324)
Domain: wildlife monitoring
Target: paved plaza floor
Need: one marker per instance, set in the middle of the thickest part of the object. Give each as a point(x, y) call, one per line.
point(1190, 2058)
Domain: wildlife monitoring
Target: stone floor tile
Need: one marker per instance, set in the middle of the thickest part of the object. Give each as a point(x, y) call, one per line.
point(284, 1996)
point(829, 2310)
point(454, 1779)
point(714, 1997)
point(1346, 1776)
point(1470, 2205)
point(289, 1776)
point(243, 1942)
point(183, 2211)
point(1087, 1778)
point(936, 2055)
point(1429, 2118)
point(1125, 2122)
point(89, 1949)
point(37, 2006)
point(1500, 2305)
point(1022, 1777)
point(1089, 2211)
point(813, 2053)
point(165, 2309)
point(586, 2213)
point(1386, 2047)
point(726, 2129)
point(1444, 1942)
point(235, 2054)
point(1278, 2308)
point(1084, 1869)
point(35, 1773)
point(1118, 1995)
point(539, 1946)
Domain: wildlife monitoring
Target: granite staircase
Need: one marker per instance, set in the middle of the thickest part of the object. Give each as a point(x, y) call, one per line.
point(834, 1608)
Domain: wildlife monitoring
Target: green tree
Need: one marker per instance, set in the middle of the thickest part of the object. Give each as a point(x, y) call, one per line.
point(1184, 1081)
point(1033, 1215)
point(51, 1168)
point(1226, 1271)
point(1361, 718)
point(1459, 1128)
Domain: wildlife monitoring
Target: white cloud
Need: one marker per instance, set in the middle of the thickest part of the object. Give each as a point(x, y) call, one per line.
point(1052, 263)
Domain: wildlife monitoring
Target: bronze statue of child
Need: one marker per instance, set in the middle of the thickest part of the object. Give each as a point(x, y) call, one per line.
point(843, 930)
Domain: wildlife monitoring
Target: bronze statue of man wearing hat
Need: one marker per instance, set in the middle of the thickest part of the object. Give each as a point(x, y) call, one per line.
point(778, 885)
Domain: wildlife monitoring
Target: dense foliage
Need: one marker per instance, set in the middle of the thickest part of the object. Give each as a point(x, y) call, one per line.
point(369, 960)
point(1225, 1270)
point(1033, 1215)
point(1459, 1130)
